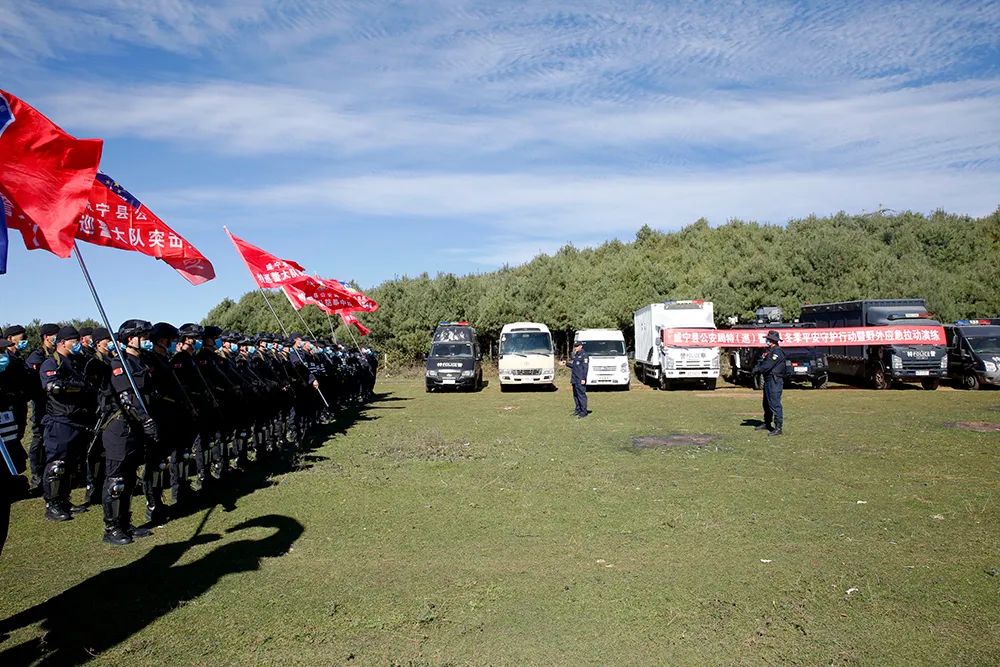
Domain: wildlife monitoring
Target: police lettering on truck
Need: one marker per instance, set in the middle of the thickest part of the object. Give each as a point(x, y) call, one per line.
point(668, 366)
point(880, 365)
point(608, 360)
point(526, 356)
point(454, 360)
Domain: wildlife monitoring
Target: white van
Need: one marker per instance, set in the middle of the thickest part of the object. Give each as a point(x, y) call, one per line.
point(608, 362)
point(526, 355)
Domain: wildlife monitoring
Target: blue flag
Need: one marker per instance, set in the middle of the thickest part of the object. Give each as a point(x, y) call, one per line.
point(3, 239)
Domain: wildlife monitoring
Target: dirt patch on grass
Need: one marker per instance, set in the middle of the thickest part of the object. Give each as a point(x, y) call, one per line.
point(428, 446)
point(673, 440)
point(981, 427)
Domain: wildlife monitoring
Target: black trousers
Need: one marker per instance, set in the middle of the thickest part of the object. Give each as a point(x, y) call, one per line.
point(772, 401)
point(580, 398)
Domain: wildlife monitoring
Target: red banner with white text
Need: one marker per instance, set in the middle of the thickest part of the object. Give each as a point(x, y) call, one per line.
point(894, 335)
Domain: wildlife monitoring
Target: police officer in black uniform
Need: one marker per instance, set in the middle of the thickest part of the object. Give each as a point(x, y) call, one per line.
point(97, 371)
point(580, 364)
point(771, 366)
point(36, 452)
point(126, 433)
point(15, 390)
point(68, 406)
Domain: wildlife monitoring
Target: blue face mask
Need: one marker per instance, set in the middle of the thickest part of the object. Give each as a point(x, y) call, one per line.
point(4, 362)
point(147, 345)
point(198, 345)
point(22, 346)
point(77, 348)
point(251, 351)
point(218, 343)
point(233, 347)
point(112, 346)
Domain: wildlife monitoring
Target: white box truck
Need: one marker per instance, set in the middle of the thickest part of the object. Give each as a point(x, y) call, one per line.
point(666, 366)
point(608, 361)
point(526, 355)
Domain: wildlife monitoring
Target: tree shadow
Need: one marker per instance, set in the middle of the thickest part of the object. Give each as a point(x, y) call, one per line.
point(111, 606)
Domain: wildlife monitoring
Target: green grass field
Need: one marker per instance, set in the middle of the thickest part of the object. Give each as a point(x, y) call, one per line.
point(495, 528)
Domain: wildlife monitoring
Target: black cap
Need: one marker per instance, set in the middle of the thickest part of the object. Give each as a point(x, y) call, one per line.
point(211, 331)
point(67, 333)
point(163, 330)
point(49, 329)
point(133, 328)
point(773, 336)
point(86, 331)
point(13, 330)
point(191, 330)
point(100, 333)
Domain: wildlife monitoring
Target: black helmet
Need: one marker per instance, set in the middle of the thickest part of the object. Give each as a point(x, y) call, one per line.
point(133, 328)
point(163, 330)
point(191, 330)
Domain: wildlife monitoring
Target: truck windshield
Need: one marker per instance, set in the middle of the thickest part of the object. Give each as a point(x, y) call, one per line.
point(451, 350)
point(526, 342)
point(604, 348)
point(987, 345)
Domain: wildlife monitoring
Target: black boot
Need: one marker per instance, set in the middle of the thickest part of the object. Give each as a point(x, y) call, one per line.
point(776, 431)
point(115, 534)
point(54, 511)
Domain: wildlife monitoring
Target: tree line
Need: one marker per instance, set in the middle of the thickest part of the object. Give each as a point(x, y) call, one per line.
point(953, 261)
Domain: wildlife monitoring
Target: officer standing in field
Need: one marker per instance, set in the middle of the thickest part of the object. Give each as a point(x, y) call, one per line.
point(128, 431)
point(68, 408)
point(579, 366)
point(36, 452)
point(771, 366)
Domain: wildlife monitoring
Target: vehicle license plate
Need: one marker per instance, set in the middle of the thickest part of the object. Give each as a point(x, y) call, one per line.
point(923, 372)
point(801, 369)
point(447, 381)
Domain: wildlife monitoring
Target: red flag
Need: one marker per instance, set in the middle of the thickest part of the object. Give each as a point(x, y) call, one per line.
point(350, 319)
point(267, 270)
point(328, 295)
point(47, 173)
point(115, 219)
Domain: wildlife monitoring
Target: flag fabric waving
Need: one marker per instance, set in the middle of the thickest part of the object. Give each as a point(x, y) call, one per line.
point(328, 295)
point(350, 319)
point(114, 218)
point(266, 270)
point(47, 173)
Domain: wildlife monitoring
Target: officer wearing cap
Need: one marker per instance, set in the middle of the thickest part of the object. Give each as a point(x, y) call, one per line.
point(128, 432)
point(36, 452)
point(18, 338)
point(69, 399)
point(580, 364)
point(771, 366)
point(97, 371)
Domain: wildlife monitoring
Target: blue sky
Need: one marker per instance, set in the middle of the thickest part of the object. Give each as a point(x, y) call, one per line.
point(368, 140)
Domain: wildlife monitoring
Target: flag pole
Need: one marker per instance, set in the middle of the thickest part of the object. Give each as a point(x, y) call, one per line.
point(295, 310)
point(285, 331)
point(333, 330)
point(107, 324)
point(351, 334)
point(6, 458)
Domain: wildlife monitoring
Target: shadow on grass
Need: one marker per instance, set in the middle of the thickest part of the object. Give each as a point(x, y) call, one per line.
point(107, 609)
point(111, 606)
point(752, 422)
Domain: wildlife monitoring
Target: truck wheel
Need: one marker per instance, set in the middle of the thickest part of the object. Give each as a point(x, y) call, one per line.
point(878, 377)
point(970, 381)
point(504, 388)
point(821, 381)
point(429, 388)
point(710, 385)
point(758, 382)
point(664, 383)
point(930, 385)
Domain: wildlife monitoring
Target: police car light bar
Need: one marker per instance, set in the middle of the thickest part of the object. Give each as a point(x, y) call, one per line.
point(979, 322)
